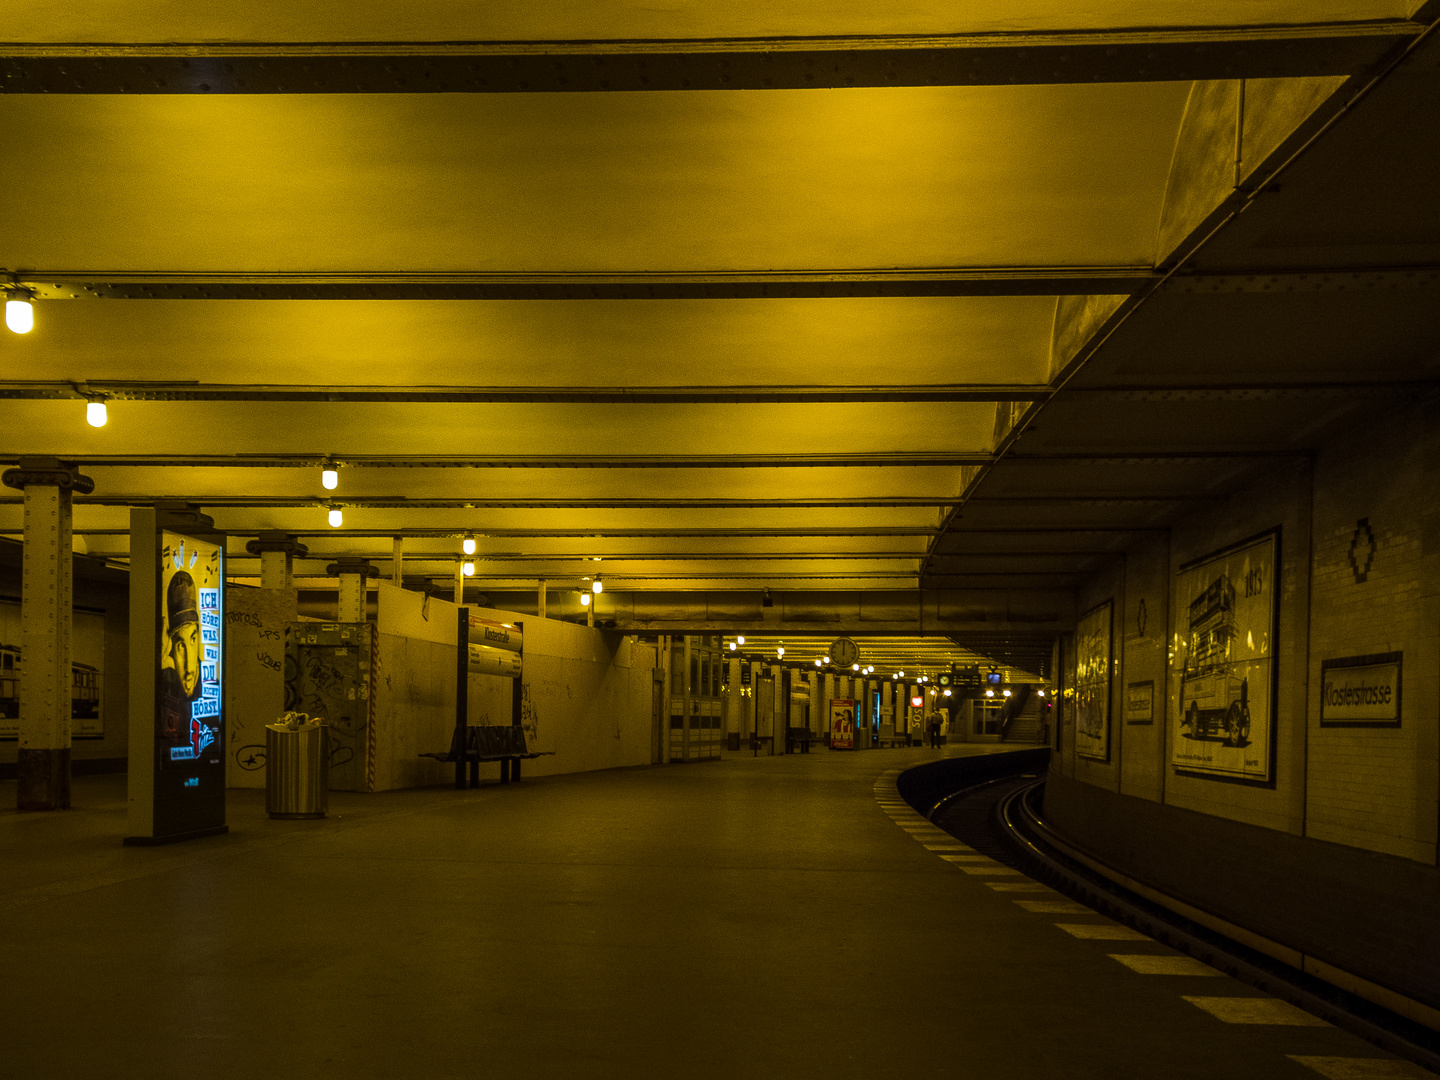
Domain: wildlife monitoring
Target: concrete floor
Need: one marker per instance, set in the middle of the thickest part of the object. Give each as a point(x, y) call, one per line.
point(753, 917)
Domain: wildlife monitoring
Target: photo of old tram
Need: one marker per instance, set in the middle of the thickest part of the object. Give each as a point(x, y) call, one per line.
point(84, 695)
point(1214, 701)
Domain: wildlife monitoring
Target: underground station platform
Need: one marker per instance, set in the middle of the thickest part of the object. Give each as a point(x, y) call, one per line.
point(720, 538)
point(760, 916)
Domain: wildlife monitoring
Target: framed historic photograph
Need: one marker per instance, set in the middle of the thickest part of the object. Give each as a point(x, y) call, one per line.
point(1222, 671)
point(1094, 649)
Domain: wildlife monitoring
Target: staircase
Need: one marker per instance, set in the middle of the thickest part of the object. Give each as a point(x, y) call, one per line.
point(1027, 724)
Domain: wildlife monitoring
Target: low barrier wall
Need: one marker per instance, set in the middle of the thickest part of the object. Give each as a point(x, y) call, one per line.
point(1372, 915)
point(925, 785)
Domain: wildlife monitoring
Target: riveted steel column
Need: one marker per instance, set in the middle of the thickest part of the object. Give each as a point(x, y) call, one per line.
point(46, 604)
point(397, 561)
point(277, 551)
point(540, 600)
point(353, 574)
point(459, 581)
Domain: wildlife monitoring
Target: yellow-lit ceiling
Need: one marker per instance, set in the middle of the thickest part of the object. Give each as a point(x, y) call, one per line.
point(713, 436)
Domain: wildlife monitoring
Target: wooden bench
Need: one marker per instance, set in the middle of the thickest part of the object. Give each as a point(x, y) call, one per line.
point(801, 736)
point(489, 742)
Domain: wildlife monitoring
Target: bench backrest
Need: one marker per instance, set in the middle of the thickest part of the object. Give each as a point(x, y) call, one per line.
point(495, 740)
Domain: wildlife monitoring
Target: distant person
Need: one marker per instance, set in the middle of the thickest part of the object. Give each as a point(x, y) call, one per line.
point(934, 732)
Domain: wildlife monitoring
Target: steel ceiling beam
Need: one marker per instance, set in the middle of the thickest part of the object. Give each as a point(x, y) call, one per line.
point(525, 395)
point(542, 532)
point(881, 459)
point(1005, 58)
point(400, 502)
point(716, 285)
point(659, 285)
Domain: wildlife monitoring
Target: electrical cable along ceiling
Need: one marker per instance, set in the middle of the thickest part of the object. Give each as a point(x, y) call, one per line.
point(909, 302)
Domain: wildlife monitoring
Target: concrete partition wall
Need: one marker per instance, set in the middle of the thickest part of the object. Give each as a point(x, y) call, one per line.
point(586, 694)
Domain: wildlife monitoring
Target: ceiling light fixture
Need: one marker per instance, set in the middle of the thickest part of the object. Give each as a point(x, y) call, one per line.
point(467, 568)
point(780, 650)
point(584, 599)
point(597, 586)
point(19, 311)
point(336, 517)
point(989, 693)
point(733, 646)
point(330, 475)
point(740, 639)
point(468, 544)
point(96, 414)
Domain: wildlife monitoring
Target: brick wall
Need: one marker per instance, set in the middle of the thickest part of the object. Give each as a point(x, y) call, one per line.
point(1375, 787)
point(1142, 635)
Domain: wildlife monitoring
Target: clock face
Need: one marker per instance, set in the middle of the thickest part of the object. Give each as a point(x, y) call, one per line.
point(844, 652)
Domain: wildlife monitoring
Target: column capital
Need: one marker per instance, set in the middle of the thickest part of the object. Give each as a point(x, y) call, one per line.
point(47, 472)
point(340, 567)
point(187, 512)
point(277, 541)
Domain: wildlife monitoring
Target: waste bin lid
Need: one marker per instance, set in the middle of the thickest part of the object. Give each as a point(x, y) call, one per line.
point(294, 722)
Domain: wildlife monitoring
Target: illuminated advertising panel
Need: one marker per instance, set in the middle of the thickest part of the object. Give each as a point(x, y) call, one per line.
point(187, 698)
point(842, 723)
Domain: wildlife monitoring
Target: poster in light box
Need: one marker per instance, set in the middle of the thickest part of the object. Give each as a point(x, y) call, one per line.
point(187, 712)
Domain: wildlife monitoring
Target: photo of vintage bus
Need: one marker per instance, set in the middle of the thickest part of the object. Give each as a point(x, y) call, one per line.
point(1214, 700)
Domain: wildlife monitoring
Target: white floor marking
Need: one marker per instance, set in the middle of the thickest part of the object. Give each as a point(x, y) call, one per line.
point(1055, 907)
point(1020, 886)
point(1255, 1010)
point(1342, 1068)
point(970, 859)
point(1102, 931)
point(1146, 964)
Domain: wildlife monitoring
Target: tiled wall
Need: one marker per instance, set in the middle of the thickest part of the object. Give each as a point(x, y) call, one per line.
point(1376, 787)
point(1372, 788)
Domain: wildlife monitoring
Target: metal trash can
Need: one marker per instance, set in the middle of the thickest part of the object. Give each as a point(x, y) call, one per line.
point(297, 770)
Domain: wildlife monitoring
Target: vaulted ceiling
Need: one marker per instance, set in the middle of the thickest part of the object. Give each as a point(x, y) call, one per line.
point(843, 297)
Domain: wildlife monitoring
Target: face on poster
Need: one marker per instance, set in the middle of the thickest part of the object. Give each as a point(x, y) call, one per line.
point(842, 722)
point(188, 699)
point(1223, 665)
point(1093, 642)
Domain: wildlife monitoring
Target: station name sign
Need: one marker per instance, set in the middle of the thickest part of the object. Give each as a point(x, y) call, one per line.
point(1361, 691)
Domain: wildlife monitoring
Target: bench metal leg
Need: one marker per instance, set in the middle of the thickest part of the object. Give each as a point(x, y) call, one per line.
point(474, 773)
point(504, 770)
point(515, 770)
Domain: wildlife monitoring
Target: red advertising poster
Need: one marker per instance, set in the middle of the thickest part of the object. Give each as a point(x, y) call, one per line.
point(842, 723)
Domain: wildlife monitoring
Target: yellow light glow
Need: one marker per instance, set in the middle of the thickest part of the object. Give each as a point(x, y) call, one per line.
point(19, 316)
point(741, 639)
point(780, 651)
point(947, 693)
point(817, 663)
point(95, 414)
point(468, 545)
point(1007, 693)
point(733, 646)
point(468, 569)
point(584, 599)
point(989, 693)
point(336, 519)
point(329, 477)
point(854, 667)
point(597, 586)
point(1040, 692)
